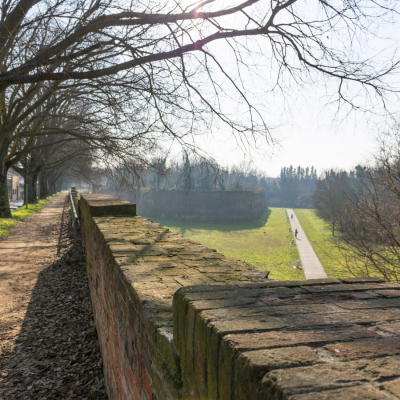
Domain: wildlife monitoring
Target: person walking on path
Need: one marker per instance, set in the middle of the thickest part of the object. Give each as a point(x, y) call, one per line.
point(292, 216)
point(295, 233)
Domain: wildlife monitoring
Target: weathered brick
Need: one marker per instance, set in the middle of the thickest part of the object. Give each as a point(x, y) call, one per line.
point(361, 280)
point(393, 387)
point(285, 382)
point(376, 303)
point(271, 283)
point(222, 303)
point(389, 293)
point(362, 392)
point(147, 384)
point(258, 340)
point(251, 366)
point(393, 327)
point(323, 377)
point(297, 309)
point(349, 318)
point(365, 348)
point(320, 298)
point(248, 325)
point(351, 287)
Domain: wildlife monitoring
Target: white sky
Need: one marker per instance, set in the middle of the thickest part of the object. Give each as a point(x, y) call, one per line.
point(308, 139)
point(310, 135)
point(307, 130)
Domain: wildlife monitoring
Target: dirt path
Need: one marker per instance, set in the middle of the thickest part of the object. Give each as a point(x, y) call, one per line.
point(24, 253)
point(48, 343)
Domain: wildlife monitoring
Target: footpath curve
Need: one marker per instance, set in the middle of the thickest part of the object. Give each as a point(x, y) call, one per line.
point(312, 267)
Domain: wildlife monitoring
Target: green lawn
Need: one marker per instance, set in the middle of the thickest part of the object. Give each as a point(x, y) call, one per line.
point(7, 224)
point(320, 236)
point(267, 247)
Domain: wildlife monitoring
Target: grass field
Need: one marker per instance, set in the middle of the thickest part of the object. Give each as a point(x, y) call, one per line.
point(7, 224)
point(320, 235)
point(267, 247)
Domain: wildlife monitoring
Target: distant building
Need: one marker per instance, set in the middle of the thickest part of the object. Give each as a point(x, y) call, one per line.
point(15, 184)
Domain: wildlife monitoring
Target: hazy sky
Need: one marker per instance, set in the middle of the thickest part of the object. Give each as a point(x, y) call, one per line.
point(307, 131)
point(310, 137)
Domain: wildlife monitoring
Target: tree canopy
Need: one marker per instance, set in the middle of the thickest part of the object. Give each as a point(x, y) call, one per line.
point(148, 73)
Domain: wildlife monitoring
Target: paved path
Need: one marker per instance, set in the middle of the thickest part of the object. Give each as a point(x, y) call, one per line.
point(312, 267)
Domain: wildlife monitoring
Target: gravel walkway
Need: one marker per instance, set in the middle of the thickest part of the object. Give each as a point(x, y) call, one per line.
point(48, 342)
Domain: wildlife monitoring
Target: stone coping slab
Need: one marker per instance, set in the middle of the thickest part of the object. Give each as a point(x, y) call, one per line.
point(104, 204)
point(290, 340)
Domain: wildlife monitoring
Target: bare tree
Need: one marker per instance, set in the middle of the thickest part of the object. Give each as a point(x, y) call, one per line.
point(160, 54)
point(330, 196)
point(369, 226)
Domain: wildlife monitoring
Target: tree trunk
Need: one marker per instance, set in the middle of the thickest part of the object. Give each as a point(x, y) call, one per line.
point(44, 186)
point(4, 201)
point(32, 188)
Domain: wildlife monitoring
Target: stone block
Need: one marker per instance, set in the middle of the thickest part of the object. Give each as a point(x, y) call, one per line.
point(347, 318)
point(389, 293)
point(365, 348)
point(252, 341)
point(375, 303)
point(392, 387)
point(251, 366)
point(361, 392)
point(361, 280)
point(393, 327)
point(351, 287)
point(288, 382)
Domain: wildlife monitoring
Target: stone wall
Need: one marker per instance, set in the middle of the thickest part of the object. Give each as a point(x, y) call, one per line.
point(177, 320)
point(204, 205)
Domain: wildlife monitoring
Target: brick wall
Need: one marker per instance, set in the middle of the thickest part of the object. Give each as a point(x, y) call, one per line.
point(177, 320)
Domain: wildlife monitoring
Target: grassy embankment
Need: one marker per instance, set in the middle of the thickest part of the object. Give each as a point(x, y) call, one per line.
point(7, 224)
point(267, 247)
point(320, 236)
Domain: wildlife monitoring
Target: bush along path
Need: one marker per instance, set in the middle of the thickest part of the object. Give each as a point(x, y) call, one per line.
point(48, 342)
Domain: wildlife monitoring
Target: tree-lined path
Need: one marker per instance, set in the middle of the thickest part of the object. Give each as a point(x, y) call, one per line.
point(312, 267)
point(48, 343)
point(23, 253)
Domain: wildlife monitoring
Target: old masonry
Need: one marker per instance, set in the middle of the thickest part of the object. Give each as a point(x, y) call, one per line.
point(177, 320)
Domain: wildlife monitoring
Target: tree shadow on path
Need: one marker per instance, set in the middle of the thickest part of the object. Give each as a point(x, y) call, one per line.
point(56, 355)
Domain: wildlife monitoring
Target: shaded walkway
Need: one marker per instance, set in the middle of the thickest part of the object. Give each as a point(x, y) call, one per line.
point(312, 267)
point(48, 343)
point(23, 254)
